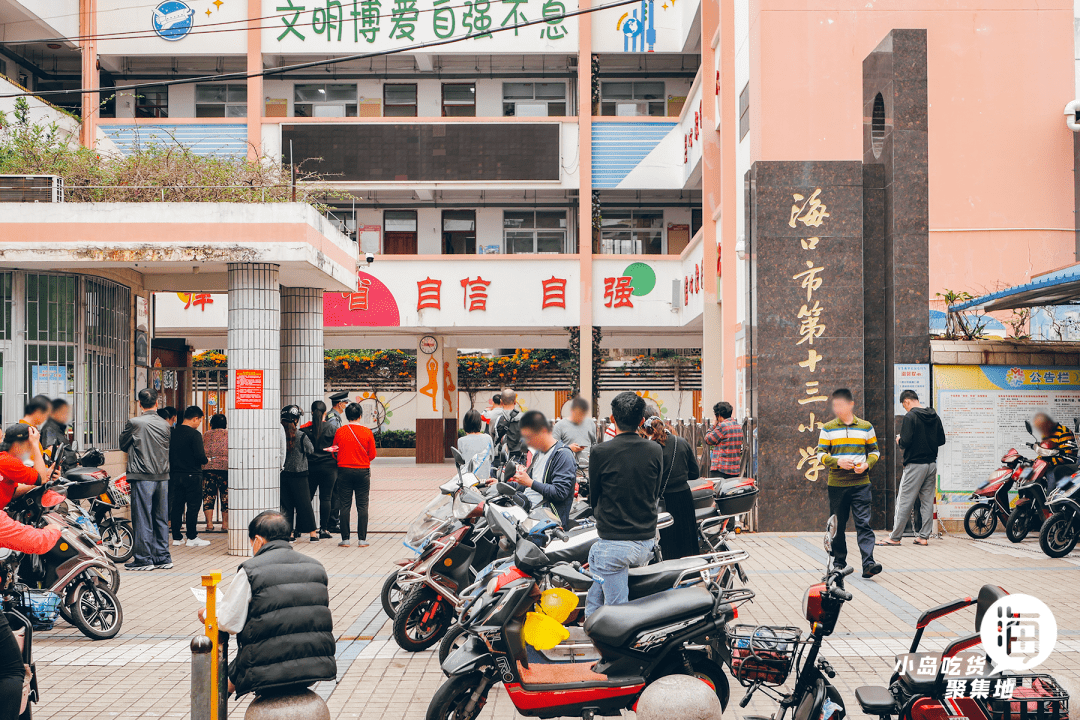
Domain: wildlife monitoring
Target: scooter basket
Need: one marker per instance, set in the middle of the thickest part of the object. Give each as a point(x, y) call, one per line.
point(762, 653)
point(41, 607)
point(1035, 696)
point(119, 495)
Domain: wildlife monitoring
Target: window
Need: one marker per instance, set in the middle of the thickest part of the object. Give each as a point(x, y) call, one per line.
point(636, 232)
point(542, 231)
point(459, 99)
point(695, 221)
point(534, 99)
point(459, 232)
point(744, 111)
point(152, 102)
point(399, 100)
point(399, 232)
point(629, 99)
point(221, 100)
point(324, 100)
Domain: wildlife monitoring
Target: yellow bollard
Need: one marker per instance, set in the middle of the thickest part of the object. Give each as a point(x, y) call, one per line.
point(210, 582)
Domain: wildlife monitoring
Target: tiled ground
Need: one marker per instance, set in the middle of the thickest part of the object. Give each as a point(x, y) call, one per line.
point(144, 671)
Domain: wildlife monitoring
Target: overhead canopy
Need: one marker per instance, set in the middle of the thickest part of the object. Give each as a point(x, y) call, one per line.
point(1058, 288)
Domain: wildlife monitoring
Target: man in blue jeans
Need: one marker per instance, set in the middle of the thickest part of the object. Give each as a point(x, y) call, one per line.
point(624, 487)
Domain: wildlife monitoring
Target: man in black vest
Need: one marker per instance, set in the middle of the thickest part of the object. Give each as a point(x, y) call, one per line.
point(278, 606)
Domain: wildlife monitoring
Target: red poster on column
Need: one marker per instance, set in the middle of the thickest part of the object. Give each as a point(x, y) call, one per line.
point(249, 389)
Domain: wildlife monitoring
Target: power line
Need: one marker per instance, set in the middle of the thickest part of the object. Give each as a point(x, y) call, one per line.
point(321, 63)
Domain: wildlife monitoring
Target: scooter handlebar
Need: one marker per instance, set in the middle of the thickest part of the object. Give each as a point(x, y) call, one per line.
point(560, 534)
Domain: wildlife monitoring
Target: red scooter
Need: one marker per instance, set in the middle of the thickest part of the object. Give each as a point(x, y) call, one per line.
point(992, 497)
point(915, 695)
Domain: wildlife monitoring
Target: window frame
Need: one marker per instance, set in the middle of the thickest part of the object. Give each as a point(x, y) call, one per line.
point(456, 104)
point(535, 231)
point(548, 102)
point(638, 246)
point(226, 104)
point(654, 107)
point(351, 108)
point(154, 110)
point(415, 103)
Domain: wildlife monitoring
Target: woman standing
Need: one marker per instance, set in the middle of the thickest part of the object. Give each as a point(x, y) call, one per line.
point(476, 442)
point(322, 467)
point(356, 450)
point(678, 469)
point(295, 497)
point(216, 472)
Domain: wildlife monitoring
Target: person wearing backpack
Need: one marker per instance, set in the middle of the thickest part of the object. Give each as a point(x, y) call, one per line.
point(509, 428)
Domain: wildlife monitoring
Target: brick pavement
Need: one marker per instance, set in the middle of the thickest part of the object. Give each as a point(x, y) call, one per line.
point(143, 673)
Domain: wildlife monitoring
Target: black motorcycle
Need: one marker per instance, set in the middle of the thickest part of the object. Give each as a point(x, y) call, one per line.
point(1061, 530)
point(109, 494)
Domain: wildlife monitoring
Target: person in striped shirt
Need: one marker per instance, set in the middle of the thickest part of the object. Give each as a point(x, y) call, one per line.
point(848, 447)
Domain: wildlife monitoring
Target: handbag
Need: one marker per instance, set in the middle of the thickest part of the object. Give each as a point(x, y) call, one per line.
point(27, 680)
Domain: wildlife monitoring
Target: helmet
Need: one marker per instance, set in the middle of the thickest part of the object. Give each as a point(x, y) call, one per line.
point(291, 413)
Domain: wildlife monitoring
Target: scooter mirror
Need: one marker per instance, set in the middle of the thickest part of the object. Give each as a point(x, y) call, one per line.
point(830, 533)
point(458, 460)
point(509, 470)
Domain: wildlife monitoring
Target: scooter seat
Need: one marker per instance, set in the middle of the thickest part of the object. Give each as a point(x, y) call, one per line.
point(876, 700)
point(574, 549)
point(651, 579)
point(614, 625)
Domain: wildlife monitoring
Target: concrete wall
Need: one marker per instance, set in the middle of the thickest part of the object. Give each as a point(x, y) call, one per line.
point(1003, 352)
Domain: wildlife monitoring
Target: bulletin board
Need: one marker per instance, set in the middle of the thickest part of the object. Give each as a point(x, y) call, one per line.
point(983, 409)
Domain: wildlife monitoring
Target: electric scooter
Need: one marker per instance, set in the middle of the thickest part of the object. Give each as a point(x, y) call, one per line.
point(916, 695)
point(1061, 531)
point(672, 632)
point(992, 497)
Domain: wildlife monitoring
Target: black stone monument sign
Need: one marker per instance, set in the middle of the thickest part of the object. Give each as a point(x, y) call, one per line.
point(806, 325)
point(838, 290)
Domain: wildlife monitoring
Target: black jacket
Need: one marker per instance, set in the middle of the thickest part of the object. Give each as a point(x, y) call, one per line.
point(680, 465)
point(624, 486)
point(186, 452)
point(288, 638)
point(921, 434)
point(320, 456)
point(557, 485)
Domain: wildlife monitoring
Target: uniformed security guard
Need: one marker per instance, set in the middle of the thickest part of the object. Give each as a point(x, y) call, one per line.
point(336, 418)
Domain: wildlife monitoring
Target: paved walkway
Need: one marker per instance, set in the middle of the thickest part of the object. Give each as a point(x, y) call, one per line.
point(143, 673)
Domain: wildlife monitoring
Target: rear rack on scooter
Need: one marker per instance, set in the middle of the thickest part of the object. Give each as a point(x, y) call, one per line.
point(718, 560)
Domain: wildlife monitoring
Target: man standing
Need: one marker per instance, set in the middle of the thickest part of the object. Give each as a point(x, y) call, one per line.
point(509, 427)
point(848, 447)
point(278, 606)
point(550, 479)
point(492, 413)
point(578, 431)
point(145, 439)
point(921, 434)
point(335, 418)
point(186, 459)
point(54, 431)
point(624, 487)
point(725, 441)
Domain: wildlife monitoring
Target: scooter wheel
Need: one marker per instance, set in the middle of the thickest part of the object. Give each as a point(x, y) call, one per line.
point(451, 699)
point(705, 670)
point(1059, 535)
point(118, 542)
point(391, 595)
point(1018, 525)
point(96, 612)
point(422, 618)
point(980, 521)
point(454, 638)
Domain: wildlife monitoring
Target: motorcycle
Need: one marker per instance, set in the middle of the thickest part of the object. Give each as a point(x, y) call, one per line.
point(75, 569)
point(914, 694)
point(432, 584)
point(1061, 530)
point(762, 656)
point(992, 497)
point(1030, 511)
point(672, 632)
point(115, 534)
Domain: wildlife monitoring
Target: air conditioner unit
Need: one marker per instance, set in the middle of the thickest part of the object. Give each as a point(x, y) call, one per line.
point(31, 188)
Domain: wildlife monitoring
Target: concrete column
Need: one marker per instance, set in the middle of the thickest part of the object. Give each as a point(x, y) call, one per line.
point(430, 385)
point(585, 210)
point(91, 77)
point(301, 346)
point(254, 344)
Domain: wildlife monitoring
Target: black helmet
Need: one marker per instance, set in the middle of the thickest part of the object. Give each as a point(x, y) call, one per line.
point(291, 413)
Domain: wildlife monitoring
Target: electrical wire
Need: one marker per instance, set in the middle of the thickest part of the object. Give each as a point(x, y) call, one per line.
point(320, 63)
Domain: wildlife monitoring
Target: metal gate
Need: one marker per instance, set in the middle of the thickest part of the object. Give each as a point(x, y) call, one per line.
point(180, 387)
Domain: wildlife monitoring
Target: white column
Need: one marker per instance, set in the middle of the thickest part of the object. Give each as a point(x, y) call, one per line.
point(254, 343)
point(301, 346)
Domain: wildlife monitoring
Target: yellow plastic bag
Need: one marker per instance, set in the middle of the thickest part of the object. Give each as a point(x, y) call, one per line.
point(543, 632)
point(558, 603)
